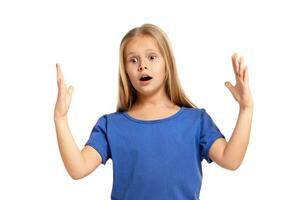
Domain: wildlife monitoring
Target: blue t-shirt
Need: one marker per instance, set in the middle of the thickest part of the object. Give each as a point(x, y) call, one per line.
point(155, 159)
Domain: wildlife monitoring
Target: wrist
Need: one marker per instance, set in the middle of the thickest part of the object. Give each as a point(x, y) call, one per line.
point(60, 118)
point(246, 108)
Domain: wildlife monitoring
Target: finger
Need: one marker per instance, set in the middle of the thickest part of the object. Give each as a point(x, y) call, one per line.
point(229, 86)
point(241, 66)
point(70, 90)
point(57, 70)
point(60, 75)
point(246, 75)
point(57, 74)
point(61, 83)
point(234, 63)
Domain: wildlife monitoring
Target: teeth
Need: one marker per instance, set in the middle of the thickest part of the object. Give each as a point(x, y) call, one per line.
point(145, 76)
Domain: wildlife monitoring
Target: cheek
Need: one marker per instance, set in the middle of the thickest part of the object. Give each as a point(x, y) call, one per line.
point(159, 71)
point(132, 76)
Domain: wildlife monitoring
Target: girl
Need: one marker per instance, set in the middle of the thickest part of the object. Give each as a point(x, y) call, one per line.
point(157, 138)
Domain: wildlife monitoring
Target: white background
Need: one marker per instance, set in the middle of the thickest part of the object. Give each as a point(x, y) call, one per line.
point(84, 37)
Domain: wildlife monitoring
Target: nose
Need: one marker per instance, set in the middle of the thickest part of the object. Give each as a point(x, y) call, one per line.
point(142, 66)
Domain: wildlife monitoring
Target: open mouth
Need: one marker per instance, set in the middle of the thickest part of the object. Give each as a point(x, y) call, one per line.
point(145, 78)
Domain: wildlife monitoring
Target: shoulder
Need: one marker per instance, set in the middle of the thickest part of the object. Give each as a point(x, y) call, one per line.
point(104, 118)
point(198, 114)
point(195, 111)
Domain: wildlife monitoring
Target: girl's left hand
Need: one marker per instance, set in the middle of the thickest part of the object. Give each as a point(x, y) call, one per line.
point(241, 91)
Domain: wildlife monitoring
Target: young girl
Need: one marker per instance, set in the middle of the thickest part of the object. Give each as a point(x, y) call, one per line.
point(157, 138)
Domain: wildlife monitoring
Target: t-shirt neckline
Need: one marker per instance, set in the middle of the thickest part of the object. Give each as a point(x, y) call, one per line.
point(125, 113)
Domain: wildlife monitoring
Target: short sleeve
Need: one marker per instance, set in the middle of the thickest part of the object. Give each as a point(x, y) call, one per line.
point(209, 133)
point(98, 139)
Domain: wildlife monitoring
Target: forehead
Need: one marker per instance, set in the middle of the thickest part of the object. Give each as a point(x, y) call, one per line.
point(141, 44)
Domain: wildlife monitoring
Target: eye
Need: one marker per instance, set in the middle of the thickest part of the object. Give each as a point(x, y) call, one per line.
point(133, 60)
point(152, 57)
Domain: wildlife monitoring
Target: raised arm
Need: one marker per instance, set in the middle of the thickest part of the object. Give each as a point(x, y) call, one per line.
point(77, 163)
point(231, 154)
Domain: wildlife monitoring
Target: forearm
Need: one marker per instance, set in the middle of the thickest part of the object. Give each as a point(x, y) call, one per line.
point(236, 147)
point(69, 151)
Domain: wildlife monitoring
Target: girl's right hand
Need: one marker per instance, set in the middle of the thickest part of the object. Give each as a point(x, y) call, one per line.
point(64, 95)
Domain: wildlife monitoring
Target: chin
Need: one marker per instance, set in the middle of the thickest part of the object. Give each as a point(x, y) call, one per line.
point(148, 91)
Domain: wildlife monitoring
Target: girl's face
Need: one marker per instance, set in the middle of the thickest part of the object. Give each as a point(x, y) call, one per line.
point(143, 57)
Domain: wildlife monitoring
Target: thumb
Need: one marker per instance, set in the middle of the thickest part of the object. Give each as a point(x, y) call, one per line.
point(229, 86)
point(70, 90)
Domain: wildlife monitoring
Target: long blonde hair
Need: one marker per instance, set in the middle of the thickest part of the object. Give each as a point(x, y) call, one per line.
point(127, 94)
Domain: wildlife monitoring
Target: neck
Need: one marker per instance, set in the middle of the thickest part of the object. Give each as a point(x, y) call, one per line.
point(157, 100)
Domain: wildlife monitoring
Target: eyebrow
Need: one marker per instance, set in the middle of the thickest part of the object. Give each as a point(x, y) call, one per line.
point(146, 50)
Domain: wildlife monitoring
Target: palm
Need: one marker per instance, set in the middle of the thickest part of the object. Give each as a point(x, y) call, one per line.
point(64, 95)
point(241, 91)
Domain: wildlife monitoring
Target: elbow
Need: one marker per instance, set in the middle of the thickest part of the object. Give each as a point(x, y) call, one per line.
point(75, 176)
point(232, 163)
point(233, 166)
point(76, 173)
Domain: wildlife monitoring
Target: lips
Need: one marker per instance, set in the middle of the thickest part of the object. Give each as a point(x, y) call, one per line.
point(145, 77)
